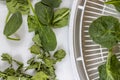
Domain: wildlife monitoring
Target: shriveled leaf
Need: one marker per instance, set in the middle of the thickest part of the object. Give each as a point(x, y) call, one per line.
point(6, 57)
point(35, 49)
point(60, 54)
point(35, 65)
point(61, 17)
point(44, 13)
point(40, 76)
point(2, 75)
point(32, 23)
point(31, 60)
point(52, 3)
point(13, 24)
point(18, 5)
point(10, 72)
point(36, 40)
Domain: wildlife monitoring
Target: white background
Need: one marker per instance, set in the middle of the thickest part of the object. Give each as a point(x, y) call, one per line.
point(20, 49)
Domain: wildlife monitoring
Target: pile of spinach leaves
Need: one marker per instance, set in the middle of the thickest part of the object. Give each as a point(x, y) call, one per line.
point(105, 31)
point(45, 16)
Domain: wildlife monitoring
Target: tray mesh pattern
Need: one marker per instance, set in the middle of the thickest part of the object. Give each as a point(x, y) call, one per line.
point(93, 54)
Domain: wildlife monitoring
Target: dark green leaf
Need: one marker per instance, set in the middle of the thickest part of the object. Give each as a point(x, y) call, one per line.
point(13, 24)
point(18, 5)
point(2, 75)
point(116, 4)
point(52, 3)
point(35, 49)
point(35, 65)
point(32, 24)
point(36, 40)
point(7, 57)
point(44, 13)
point(60, 54)
point(103, 31)
point(48, 38)
point(61, 17)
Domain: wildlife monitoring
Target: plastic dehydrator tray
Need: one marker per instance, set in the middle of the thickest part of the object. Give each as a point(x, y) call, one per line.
point(86, 56)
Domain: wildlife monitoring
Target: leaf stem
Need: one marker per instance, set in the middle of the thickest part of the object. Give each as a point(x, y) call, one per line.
point(16, 39)
point(110, 54)
point(61, 16)
point(8, 15)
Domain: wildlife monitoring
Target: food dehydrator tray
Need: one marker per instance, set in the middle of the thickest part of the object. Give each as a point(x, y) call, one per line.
point(86, 56)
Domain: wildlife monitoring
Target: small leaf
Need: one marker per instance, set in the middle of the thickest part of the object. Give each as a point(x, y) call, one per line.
point(52, 3)
point(60, 54)
point(2, 75)
point(35, 49)
point(36, 40)
point(61, 17)
point(12, 78)
point(31, 61)
point(49, 62)
point(35, 65)
point(9, 72)
point(32, 23)
point(44, 13)
point(18, 5)
point(40, 76)
point(7, 57)
point(13, 24)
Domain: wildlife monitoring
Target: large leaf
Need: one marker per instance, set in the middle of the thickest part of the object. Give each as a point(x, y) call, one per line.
point(116, 4)
point(44, 13)
point(52, 3)
point(61, 17)
point(48, 38)
point(13, 24)
point(110, 70)
point(18, 5)
point(103, 31)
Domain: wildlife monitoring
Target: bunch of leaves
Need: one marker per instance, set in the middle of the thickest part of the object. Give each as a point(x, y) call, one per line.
point(105, 31)
point(45, 17)
point(115, 3)
point(14, 18)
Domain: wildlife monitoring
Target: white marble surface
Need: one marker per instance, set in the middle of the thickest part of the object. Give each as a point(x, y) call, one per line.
point(20, 50)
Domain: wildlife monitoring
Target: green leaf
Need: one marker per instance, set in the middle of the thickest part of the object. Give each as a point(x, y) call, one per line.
point(36, 40)
point(60, 54)
point(12, 78)
point(32, 24)
point(115, 3)
point(49, 62)
point(6, 57)
point(44, 13)
point(10, 72)
point(61, 17)
point(18, 5)
point(35, 49)
point(110, 70)
point(103, 31)
point(48, 38)
point(52, 3)
point(31, 60)
point(2, 75)
point(35, 65)
point(13, 24)
point(40, 76)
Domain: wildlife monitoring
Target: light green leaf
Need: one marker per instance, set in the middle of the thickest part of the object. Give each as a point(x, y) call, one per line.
point(35, 49)
point(36, 40)
point(60, 54)
point(61, 17)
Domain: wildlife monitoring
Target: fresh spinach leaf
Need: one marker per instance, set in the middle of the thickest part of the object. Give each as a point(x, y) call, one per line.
point(116, 4)
point(61, 17)
point(110, 70)
point(103, 31)
point(13, 24)
point(52, 3)
point(21, 6)
point(44, 13)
